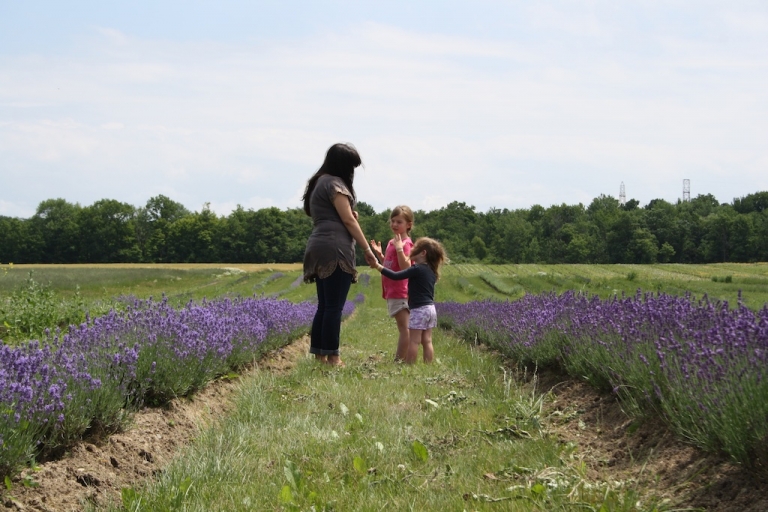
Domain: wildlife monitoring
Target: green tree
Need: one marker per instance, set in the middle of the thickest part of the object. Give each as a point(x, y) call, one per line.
point(578, 249)
point(234, 242)
point(759, 241)
point(533, 252)
point(268, 231)
point(720, 236)
point(601, 214)
point(704, 204)
point(479, 250)
point(376, 225)
point(298, 229)
point(194, 238)
point(558, 226)
point(510, 236)
point(666, 253)
point(364, 209)
point(268, 235)
point(660, 217)
point(455, 226)
point(742, 236)
point(632, 204)
point(643, 247)
point(689, 232)
point(620, 234)
point(55, 223)
point(757, 203)
point(153, 225)
point(107, 233)
point(14, 240)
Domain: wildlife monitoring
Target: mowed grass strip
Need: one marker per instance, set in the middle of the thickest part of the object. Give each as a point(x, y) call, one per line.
point(180, 282)
point(717, 281)
point(455, 435)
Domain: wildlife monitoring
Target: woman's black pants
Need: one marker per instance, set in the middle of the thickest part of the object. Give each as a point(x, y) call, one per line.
point(326, 326)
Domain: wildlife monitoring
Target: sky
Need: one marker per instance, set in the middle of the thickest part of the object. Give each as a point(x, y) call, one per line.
point(496, 104)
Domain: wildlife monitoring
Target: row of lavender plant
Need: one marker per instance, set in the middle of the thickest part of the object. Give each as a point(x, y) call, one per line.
point(54, 390)
point(701, 364)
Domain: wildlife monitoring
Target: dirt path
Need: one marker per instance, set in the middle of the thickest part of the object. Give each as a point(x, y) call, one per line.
point(611, 445)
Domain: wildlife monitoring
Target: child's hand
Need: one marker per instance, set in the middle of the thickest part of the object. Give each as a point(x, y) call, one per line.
point(397, 241)
point(376, 246)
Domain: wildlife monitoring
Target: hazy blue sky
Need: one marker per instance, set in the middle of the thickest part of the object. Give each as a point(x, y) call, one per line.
point(497, 104)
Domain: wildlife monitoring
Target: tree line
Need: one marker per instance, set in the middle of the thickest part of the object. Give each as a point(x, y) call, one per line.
point(701, 230)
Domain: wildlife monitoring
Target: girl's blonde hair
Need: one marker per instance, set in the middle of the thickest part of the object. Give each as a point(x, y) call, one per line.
point(405, 212)
point(436, 255)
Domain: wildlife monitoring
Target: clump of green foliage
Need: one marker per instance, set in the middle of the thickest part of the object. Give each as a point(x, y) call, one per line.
point(34, 307)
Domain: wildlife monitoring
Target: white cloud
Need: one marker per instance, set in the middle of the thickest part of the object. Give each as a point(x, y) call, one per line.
point(113, 36)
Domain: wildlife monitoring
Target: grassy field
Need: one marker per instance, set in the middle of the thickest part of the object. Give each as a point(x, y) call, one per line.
point(180, 282)
point(462, 282)
point(462, 433)
point(717, 281)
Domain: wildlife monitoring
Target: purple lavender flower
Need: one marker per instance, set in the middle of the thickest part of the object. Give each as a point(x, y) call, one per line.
point(701, 364)
point(51, 392)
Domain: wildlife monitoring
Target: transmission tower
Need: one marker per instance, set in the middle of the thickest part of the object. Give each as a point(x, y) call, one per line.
point(622, 195)
point(686, 190)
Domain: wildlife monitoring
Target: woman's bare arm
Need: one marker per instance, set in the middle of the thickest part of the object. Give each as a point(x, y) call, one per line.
point(344, 209)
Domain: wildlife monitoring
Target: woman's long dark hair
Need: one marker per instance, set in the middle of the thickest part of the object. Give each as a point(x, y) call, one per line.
point(341, 160)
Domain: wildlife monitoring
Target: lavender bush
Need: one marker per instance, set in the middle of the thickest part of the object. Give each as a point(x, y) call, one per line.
point(701, 364)
point(364, 279)
point(54, 390)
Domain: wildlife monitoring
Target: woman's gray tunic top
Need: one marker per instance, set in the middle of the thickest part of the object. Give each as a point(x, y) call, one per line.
point(330, 244)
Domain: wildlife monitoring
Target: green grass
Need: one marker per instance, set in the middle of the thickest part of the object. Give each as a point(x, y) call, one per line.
point(460, 434)
point(179, 282)
point(498, 282)
point(461, 282)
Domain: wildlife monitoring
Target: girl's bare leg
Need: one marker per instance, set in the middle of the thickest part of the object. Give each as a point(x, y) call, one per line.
point(320, 358)
point(404, 337)
point(413, 346)
point(426, 343)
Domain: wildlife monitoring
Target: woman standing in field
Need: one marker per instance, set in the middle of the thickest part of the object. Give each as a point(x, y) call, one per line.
point(396, 292)
point(427, 255)
point(329, 259)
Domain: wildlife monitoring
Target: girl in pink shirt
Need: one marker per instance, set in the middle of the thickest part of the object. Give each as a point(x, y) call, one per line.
point(396, 259)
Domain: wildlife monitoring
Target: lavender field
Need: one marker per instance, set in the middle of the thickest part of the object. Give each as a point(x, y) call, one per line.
point(693, 350)
point(702, 365)
point(56, 389)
